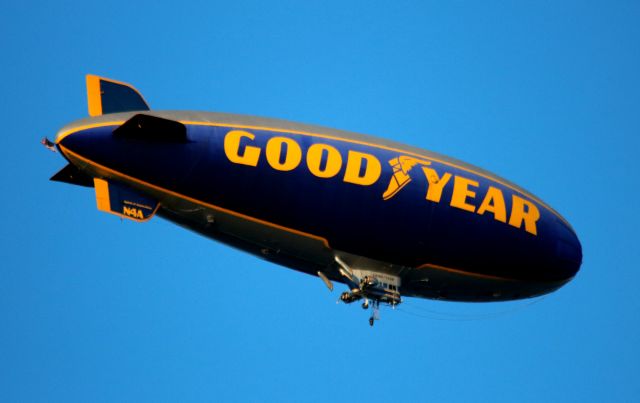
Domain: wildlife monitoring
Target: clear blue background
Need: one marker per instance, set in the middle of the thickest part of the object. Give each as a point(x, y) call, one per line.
point(546, 94)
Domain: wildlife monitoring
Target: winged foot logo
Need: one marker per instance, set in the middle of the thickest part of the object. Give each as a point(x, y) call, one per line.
point(401, 167)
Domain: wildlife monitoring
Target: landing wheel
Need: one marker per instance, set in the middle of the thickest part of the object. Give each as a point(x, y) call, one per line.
point(371, 321)
point(365, 304)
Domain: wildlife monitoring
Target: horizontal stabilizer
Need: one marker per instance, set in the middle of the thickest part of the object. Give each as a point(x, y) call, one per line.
point(123, 201)
point(71, 174)
point(152, 128)
point(109, 96)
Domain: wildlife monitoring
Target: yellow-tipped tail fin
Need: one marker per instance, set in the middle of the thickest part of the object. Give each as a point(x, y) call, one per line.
point(118, 199)
point(109, 96)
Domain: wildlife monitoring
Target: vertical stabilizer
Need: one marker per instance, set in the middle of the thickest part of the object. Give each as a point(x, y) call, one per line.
point(109, 96)
point(119, 199)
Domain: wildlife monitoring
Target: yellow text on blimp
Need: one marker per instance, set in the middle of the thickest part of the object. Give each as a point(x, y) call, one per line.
point(285, 154)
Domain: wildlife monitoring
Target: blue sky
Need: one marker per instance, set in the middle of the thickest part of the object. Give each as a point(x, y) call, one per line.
point(544, 94)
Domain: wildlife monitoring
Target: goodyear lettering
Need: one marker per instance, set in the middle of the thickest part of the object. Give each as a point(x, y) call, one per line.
point(355, 172)
point(523, 212)
point(461, 193)
point(232, 149)
point(493, 202)
point(325, 161)
point(333, 160)
point(285, 154)
point(436, 184)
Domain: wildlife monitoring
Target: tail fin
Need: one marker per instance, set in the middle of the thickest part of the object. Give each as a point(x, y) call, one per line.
point(71, 174)
point(110, 96)
point(116, 198)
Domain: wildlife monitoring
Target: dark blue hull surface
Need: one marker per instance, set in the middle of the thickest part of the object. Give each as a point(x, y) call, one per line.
point(385, 203)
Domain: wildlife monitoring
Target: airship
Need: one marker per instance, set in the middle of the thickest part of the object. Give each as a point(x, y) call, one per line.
point(386, 219)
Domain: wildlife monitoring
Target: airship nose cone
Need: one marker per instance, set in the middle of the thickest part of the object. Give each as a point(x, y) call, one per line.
point(568, 252)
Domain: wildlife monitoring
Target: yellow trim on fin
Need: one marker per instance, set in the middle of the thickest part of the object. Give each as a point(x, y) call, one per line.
point(102, 194)
point(103, 201)
point(94, 95)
